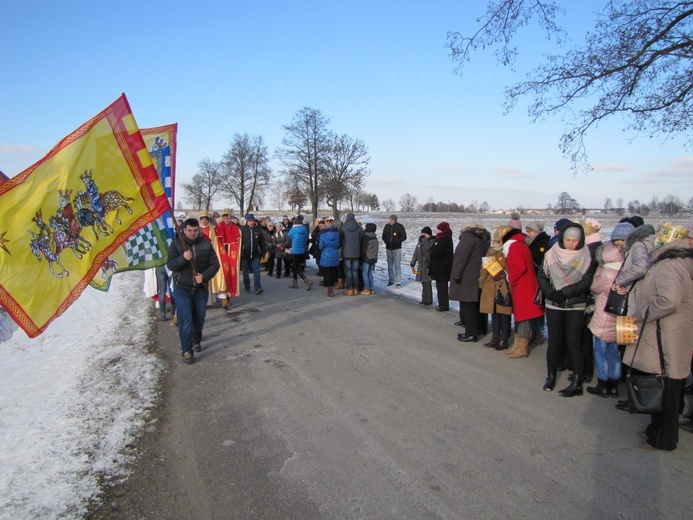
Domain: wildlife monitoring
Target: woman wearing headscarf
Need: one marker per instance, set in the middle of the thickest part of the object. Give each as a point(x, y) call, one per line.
point(665, 305)
point(441, 254)
point(420, 264)
point(464, 288)
point(565, 281)
point(501, 316)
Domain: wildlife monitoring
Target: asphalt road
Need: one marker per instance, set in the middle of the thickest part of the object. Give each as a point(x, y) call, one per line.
point(367, 407)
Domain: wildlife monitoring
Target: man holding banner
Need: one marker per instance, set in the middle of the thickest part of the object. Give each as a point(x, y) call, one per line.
point(194, 263)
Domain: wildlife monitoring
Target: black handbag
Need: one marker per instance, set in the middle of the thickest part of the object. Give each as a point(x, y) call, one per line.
point(503, 300)
point(646, 391)
point(617, 303)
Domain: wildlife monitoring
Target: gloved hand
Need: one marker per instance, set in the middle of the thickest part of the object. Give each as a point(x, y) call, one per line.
point(557, 297)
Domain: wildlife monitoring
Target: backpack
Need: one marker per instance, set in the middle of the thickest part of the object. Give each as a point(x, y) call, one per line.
point(371, 250)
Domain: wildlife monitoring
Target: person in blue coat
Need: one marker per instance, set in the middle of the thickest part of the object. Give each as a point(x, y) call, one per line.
point(329, 254)
point(298, 242)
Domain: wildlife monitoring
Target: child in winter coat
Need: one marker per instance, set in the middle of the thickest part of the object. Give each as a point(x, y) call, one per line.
point(421, 259)
point(603, 325)
point(369, 257)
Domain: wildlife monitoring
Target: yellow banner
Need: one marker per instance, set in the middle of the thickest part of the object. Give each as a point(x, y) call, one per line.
point(61, 218)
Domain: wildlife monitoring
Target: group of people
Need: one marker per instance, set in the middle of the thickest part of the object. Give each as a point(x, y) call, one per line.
point(526, 280)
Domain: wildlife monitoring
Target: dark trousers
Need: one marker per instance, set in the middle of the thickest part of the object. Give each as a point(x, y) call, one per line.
point(426, 292)
point(298, 264)
point(443, 295)
point(663, 430)
point(565, 336)
point(471, 317)
point(330, 275)
point(500, 324)
point(588, 351)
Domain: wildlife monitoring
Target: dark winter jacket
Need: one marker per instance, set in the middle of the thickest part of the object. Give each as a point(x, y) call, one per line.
point(369, 248)
point(441, 255)
point(421, 259)
point(329, 247)
point(350, 237)
point(204, 260)
point(253, 242)
point(466, 264)
point(538, 247)
point(393, 236)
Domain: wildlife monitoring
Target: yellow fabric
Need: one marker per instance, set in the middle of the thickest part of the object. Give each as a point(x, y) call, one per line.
point(99, 168)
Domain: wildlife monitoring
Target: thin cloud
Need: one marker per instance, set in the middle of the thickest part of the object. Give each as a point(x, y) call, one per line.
point(512, 173)
point(14, 149)
point(680, 169)
point(612, 167)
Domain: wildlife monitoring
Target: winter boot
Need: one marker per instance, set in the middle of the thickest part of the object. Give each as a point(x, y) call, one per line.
point(573, 389)
point(612, 387)
point(162, 314)
point(511, 349)
point(294, 285)
point(520, 348)
point(340, 283)
point(349, 292)
point(538, 338)
point(330, 291)
point(495, 340)
point(308, 283)
point(550, 380)
point(502, 344)
point(279, 273)
point(224, 303)
point(601, 389)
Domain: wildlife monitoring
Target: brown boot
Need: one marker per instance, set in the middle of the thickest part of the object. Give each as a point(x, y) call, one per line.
point(340, 283)
point(224, 303)
point(308, 283)
point(330, 291)
point(349, 292)
point(294, 285)
point(493, 343)
point(520, 348)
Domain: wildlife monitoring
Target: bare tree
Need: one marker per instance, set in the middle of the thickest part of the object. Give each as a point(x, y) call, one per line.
point(607, 204)
point(484, 207)
point(407, 203)
point(306, 145)
point(566, 203)
point(245, 171)
point(346, 166)
point(204, 185)
point(388, 205)
point(671, 205)
point(636, 63)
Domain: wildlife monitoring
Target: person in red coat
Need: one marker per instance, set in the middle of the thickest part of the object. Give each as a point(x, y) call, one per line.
point(229, 236)
point(523, 287)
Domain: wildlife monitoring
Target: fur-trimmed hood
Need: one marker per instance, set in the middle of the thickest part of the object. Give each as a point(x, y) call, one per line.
point(481, 233)
point(640, 234)
point(674, 250)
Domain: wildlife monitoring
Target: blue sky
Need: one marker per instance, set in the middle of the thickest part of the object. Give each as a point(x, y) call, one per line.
point(378, 69)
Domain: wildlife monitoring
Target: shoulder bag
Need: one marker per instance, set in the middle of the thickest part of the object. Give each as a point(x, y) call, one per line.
point(617, 303)
point(503, 300)
point(646, 391)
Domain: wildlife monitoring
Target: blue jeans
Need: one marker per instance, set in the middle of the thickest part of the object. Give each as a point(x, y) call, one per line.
point(368, 281)
point(607, 359)
point(164, 285)
point(351, 266)
point(254, 264)
point(192, 309)
point(394, 265)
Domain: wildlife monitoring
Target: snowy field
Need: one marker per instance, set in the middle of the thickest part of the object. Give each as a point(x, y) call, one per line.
point(73, 400)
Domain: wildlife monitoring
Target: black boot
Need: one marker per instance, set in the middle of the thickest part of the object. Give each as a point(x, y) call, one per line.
point(612, 387)
point(550, 380)
point(573, 389)
point(602, 388)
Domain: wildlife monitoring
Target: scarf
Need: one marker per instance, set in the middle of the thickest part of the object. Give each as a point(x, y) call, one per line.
point(565, 267)
point(442, 234)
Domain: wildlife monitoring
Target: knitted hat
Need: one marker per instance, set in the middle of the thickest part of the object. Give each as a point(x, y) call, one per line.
point(370, 227)
point(249, 216)
point(298, 219)
point(427, 230)
point(622, 230)
point(393, 217)
point(515, 221)
point(537, 227)
point(560, 223)
point(444, 227)
point(573, 231)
